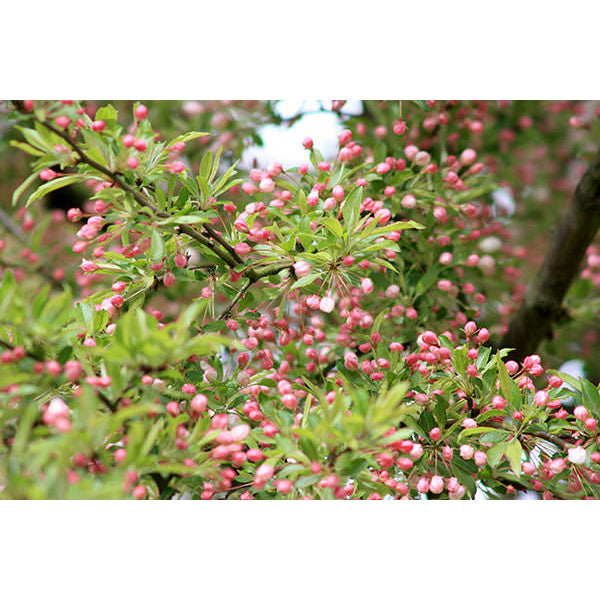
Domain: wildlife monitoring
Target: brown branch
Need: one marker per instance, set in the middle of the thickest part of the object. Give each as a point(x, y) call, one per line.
point(228, 255)
point(215, 236)
point(223, 250)
point(139, 198)
point(542, 306)
point(227, 311)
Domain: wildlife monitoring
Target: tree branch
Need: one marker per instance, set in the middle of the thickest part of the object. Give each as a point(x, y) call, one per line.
point(228, 255)
point(215, 236)
point(227, 311)
point(139, 198)
point(542, 305)
point(10, 226)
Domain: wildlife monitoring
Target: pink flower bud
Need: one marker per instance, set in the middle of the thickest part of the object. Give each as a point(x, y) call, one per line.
point(540, 398)
point(240, 432)
point(338, 192)
point(410, 152)
point(301, 268)
point(47, 174)
point(498, 402)
point(445, 258)
point(436, 485)
point(512, 367)
point(344, 137)
point(327, 304)
point(199, 403)
point(422, 158)
point(466, 451)
point(265, 472)
point(188, 388)
point(141, 112)
point(173, 408)
point(283, 486)
point(169, 279)
point(480, 458)
point(416, 452)
point(267, 185)
point(242, 249)
point(423, 485)
point(528, 468)
point(307, 143)
point(409, 201)
point(468, 156)
point(470, 328)
point(577, 455)
point(366, 285)
point(139, 492)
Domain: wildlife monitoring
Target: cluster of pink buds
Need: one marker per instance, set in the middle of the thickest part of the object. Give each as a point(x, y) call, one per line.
point(57, 414)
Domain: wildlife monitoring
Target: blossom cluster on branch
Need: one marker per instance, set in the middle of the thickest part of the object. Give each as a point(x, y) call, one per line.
point(322, 331)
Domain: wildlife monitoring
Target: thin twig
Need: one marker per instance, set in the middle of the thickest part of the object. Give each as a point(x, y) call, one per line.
point(7, 222)
point(227, 254)
point(136, 195)
point(235, 300)
point(215, 236)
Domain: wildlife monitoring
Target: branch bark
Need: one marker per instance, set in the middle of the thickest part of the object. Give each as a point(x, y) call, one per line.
point(214, 243)
point(542, 305)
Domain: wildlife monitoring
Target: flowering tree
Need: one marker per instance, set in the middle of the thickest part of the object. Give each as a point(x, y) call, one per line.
point(358, 326)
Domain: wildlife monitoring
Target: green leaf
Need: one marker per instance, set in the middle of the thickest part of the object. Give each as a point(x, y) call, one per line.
point(427, 421)
point(504, 378)
point(495, 454)
point(333, 225)
point(184, 220)
point(209, 343)
point(216, 162)
point(509, 389)
point(26, 148)
point(513, 453)
point(224, 178)
point(427, 280)
point(591, 397)
point(107, 113)
point(494, 437)
point(35, 138)
point(304, 281)
point(19, 191)
point(188, 137)
point(157, 247)
point(55, 184)
point(205, 166)
point(474, 431)
point(350, 467)
point(420, 104)
point(87, 315)
point(351, 210)
point(399, 225)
